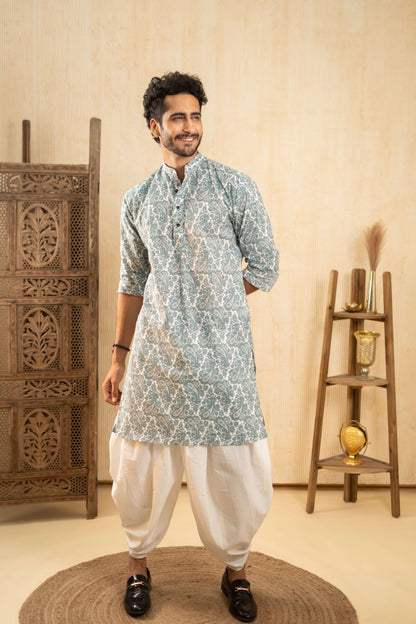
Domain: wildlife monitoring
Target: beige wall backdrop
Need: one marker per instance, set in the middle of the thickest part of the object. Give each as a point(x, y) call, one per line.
point(314, 99)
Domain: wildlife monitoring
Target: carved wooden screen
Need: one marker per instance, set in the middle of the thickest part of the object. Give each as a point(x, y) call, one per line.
point(48, 330)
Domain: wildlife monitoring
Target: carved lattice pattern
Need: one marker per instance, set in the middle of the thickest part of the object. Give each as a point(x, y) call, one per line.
point(79, 229)
point(3, 237)
point(5, 454)
point(43, 183)
point(41, 436)
point(40, 331)
point(24, 489)
point(44, 287)
point(44, 388)
point(78, 337)
point(78, 442)
point(39, 235)
point(4, 339)
point(40, 338)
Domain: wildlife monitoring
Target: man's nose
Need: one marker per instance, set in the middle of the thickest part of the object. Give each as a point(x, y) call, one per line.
point(188, 124)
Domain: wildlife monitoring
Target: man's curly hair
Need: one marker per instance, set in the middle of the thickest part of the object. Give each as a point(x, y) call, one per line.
point(169, 84)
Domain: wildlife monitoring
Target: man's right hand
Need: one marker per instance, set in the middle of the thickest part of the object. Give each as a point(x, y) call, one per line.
point(111, 385)
point(128, 309)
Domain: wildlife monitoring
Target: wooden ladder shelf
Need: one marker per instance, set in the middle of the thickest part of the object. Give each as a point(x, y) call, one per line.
point(354, 385)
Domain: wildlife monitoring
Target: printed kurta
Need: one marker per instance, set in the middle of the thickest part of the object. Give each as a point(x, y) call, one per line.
point(191, 374)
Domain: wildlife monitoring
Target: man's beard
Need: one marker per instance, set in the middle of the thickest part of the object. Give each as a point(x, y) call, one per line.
point(186, 151)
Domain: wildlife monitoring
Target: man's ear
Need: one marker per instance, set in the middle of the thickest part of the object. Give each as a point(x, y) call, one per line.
point(154, 128)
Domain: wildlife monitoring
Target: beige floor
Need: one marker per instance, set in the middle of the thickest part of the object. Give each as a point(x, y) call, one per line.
point(360, 548)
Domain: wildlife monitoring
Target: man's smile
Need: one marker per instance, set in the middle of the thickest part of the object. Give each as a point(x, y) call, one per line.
point(187, 138)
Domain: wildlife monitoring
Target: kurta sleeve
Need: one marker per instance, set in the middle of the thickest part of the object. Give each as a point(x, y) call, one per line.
point(254, 235)
point(135, 266)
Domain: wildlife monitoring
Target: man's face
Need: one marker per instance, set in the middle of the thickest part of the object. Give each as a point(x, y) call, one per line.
point(180, 130)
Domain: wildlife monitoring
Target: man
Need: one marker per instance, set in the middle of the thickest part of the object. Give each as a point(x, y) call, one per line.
point(190, 400)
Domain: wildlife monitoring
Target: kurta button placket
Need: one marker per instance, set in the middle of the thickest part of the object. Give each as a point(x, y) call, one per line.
point(178, 215)
point(179, 210)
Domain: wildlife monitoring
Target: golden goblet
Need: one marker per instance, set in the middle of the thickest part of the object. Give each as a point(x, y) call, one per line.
point(366, 351)
point(353, 439)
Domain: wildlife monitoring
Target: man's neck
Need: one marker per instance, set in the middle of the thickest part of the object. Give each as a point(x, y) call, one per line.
point(177, 162)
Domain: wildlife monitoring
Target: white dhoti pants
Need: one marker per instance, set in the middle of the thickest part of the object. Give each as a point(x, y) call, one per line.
point(230, 491)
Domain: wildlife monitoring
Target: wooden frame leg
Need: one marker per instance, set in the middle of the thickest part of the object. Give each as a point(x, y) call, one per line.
point(391, 396)
point(350, 488)
point(313, 482)
point(320, 402)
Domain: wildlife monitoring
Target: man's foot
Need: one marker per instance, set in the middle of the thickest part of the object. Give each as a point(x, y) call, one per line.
point(242, 604)
point(137, 599)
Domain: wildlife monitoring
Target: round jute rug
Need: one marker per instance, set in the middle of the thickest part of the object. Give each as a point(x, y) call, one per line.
point(185, 590)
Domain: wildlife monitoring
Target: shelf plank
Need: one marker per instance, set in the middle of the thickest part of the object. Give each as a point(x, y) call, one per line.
point(368, 465)
point(355, 381)
point(366, 316)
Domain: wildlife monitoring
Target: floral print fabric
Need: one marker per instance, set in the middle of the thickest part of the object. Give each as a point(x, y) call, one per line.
point(191, 374)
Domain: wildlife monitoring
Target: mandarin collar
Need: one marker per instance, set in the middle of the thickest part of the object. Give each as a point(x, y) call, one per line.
point(190, 167)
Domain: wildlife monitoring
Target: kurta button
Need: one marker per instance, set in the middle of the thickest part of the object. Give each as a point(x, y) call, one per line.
point(177, 207)
point(178, 225)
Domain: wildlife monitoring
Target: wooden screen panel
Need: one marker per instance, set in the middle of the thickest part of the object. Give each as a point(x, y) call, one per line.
point(48, 330)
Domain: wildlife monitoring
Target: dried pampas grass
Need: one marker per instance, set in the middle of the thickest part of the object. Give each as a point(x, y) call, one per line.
point(374, 242)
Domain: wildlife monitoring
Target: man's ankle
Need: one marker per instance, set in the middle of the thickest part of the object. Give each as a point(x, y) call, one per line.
point(137, 566)
point(234, 575)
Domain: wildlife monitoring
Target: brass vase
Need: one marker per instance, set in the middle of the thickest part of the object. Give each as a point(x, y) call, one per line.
point(366, 351)
point(371, 304)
